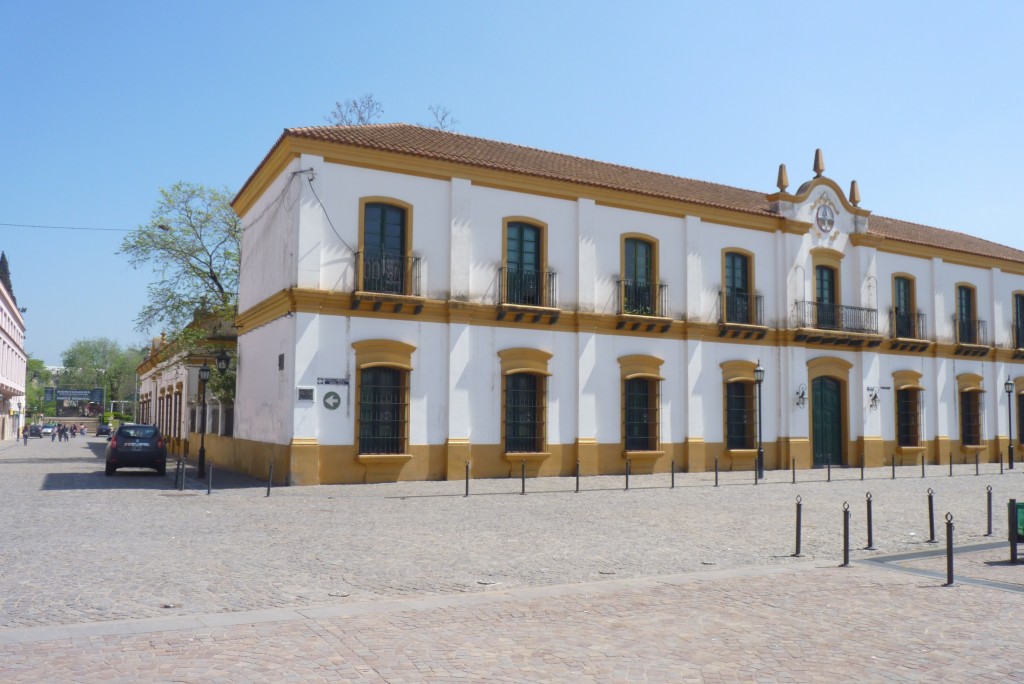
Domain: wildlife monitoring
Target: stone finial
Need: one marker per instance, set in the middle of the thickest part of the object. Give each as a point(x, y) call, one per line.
point(854, 193)
point(783, 181)
point(819, 163)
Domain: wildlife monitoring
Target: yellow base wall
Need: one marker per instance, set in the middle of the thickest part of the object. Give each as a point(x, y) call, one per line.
point(305, 462)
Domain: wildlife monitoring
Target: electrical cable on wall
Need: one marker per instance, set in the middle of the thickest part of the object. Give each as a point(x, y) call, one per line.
point(310, 177)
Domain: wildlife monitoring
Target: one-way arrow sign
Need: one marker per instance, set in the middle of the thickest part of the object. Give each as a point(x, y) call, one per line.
point(332, 401)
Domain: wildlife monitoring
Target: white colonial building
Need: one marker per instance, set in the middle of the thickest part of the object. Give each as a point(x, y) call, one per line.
point(13, 362)
point(412, 300)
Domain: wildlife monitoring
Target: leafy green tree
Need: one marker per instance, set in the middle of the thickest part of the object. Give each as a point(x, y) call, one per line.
point(192, 242)
point(101, 362)
point(37, 377)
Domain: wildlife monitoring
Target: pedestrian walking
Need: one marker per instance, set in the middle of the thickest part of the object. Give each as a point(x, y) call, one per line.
point(24, 434)
point(53, 434)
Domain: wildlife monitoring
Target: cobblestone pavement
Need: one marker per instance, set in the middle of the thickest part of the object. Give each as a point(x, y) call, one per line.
point(124, 579)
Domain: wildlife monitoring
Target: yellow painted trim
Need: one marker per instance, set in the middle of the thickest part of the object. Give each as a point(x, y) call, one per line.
point(524, 360)
point(906, 379)
point(542, 228)
point(370, 353)
point(542, 394)
point(287, 148)
point(655, 261)
point(969, 382)
point(837, 369)
point(738, 371)
point(751, 280)
point(829, 258)
point(640, 365)
point(956, 302)
point(866, 240)
point(408, 242)
point(335, 303)
point(805, 190)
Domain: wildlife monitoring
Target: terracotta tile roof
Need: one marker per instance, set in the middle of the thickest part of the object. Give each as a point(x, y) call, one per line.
point(463, 149)
point(905, 231)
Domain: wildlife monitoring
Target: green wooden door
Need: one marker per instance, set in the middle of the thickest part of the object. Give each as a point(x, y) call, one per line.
point(827, 421)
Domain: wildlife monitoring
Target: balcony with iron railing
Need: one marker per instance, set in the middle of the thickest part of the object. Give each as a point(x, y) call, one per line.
point(740, 308)
point(389, 274)
point(848, 319)
point(638, 298)
point(970, 331)
point(909, 326)
point(1018, 334)
point(522, 287)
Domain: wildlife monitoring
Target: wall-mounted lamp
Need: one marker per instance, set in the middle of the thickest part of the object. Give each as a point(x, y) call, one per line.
point(801, 396)
point(873, 398)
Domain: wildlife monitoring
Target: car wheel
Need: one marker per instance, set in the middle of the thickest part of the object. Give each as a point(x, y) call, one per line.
point(111, 470)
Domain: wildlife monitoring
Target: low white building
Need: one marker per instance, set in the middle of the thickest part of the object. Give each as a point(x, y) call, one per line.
point(171, 393)
point(412, 300)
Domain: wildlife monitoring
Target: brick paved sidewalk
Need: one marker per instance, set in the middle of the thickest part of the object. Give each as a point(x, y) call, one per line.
point(414, 582)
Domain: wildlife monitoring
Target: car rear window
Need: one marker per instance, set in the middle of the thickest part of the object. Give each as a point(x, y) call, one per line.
point(138, 431)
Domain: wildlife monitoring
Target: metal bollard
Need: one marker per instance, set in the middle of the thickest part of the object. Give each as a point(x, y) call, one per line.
point(209, 479)
point(951, 464)
point(627, 474)
point(1000, 462)
point(793, 464)
point(871, 543)
point(467, 479)
point(894, 466)
point(931, 518)
point(270, 478)
point(522, 477)
point(799, 517)
point(977, 470)
point(949, 550)
point(829, 466)
point(988, 491)
point(577, 476)
point(1012, 531)
point(846, 535)
point(673, 480)
point(922, 465)
point(716, 471)
point(862, 467)
point(181, 486)
point(755, 473)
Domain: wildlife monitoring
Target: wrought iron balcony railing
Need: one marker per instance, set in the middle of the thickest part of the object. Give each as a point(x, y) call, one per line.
point(527, 288)
point(910, 326)
point(388, 273)
point(970, 331)
point(836, 317)
point(1018, 334)
point(642, 298)
point(741, 307)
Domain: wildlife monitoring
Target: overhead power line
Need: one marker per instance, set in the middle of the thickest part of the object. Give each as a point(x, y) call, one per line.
point(29, 225)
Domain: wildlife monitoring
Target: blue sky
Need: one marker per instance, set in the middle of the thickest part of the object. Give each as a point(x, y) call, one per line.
point(102, 103)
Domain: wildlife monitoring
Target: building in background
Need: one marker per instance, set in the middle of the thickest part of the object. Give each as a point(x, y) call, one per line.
point(13, 359)
point(412, 300)
point(170, 391)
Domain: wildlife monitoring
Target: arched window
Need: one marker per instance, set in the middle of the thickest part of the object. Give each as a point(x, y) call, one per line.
point(638, 288)
point(383, 262)
point(524, 264)
point(383, 368)
point(524, 390)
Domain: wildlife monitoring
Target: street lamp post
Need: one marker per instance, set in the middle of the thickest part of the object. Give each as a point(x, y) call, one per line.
point(758, 379)
point(1009, 414)
point(204, 377)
